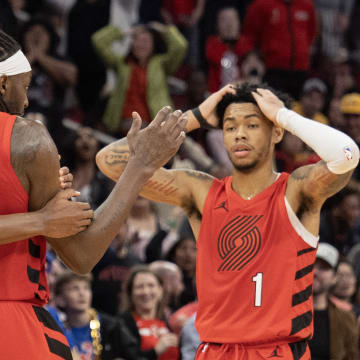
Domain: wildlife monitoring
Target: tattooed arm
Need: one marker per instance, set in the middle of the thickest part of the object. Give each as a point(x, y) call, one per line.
point(185, 188)
point(82, 251)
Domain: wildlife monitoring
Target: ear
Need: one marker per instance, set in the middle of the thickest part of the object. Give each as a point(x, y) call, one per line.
point(3, 84)
point(277, 134)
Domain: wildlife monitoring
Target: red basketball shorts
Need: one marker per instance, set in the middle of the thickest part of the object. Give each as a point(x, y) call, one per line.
point(293, 351)
point(29, 332)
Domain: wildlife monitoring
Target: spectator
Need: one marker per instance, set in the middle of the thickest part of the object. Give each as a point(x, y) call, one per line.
point(143, 301)
point(292, 153)
point(79, 153)
point(335, 331)
point(52, 75)
point(80, 50)
point(92, 334)
point(142, 74)
point(342, 78)
point(345, 289)
point(339, 220)
point(354, 258)
point(183, 253)
point(186, 14)
point(312, 100)
point(334, 22)
point(290, 23)
point(189, 340)
point(149, 235)
point(173, 285)
point(225, 49)
point(350, 111)
point(178, 319)
point(111, 272)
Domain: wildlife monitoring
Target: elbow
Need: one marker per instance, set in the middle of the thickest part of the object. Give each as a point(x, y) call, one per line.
point(349, 160)
point(81, 266)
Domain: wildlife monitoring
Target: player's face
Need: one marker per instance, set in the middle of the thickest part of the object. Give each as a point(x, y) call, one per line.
point(14, 92)
point(76, 295)
point(146, 293)
point(324, 277)
point(248, 135)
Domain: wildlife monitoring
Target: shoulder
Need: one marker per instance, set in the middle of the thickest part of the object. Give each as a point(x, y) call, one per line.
point(30, 141)
point(347, 318)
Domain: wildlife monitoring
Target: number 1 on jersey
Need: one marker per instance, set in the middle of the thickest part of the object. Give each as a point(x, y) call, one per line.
point(258, 288)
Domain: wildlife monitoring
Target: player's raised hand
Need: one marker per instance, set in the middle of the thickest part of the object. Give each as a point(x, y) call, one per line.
point(268, 103)
point(155, 145)
point(63, 217)
point(208, 106)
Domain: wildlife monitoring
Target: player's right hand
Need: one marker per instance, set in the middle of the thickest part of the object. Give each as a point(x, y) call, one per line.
point(155, 145)
point(62, 217)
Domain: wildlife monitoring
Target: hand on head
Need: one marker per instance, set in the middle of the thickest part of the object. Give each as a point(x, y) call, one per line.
point(268, 103)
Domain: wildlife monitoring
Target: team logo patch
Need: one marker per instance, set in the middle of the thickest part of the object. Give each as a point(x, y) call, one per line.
point(239, 242)
point(348, 153)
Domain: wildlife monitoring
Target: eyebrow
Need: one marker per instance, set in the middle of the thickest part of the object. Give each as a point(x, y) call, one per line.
point(231, 118)
point(252, 115)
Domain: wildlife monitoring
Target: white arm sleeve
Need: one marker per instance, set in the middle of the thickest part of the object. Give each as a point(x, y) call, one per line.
point(337, 149)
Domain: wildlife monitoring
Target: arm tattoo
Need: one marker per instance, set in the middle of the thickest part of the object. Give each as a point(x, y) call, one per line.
point(163, 186)
point(199, 175)
point(117, 157)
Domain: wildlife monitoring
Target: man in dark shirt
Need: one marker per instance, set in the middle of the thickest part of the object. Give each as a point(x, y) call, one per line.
point(335, 331)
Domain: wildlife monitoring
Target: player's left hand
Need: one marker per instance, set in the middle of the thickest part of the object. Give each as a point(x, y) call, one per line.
point(268, 103)
point(66, 178)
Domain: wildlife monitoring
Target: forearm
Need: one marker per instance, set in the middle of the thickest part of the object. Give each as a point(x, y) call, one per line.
point(16, 227)
point(337, 149)
point(90, 245)
point(62, 72)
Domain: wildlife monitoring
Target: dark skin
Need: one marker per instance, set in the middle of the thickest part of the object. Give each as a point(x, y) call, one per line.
point(249, 125)
point(36, 163)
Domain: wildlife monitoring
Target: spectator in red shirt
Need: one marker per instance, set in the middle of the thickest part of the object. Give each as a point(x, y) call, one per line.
point(225, 49)
point(283, 30)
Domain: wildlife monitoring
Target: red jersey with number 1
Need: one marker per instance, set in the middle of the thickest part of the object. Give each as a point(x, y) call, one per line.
point(22, 263)
point(254, 268)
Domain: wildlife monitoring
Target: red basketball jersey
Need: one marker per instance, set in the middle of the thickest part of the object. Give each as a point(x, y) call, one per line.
point(22, 263)
point(254, 268)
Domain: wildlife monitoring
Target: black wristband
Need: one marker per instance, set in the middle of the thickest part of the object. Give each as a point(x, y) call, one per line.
point(202, 121)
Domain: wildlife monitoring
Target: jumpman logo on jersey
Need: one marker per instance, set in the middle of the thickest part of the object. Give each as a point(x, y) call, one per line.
point(275, 352)
point(222, 206)
point(239, 242)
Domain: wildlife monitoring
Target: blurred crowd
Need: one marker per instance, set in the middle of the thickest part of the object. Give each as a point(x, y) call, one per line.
point(96, 61)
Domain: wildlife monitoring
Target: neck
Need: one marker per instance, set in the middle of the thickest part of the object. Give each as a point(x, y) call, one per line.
point(250, 183)
point(146, 314)
point(78, 319)
point(321, 301)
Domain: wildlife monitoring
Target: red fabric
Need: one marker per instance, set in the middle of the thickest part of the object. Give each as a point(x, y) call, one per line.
point(248, 250)
point(23, 336)
point(215, 50)
point(24, 274)
point(150, 332)
point(178, 8)
point(284, 40)
point(239, 352)
point(179, 317)
point(135, 99)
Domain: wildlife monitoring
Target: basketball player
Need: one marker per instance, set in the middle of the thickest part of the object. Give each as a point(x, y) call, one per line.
point(257, 230)
point(29, 169)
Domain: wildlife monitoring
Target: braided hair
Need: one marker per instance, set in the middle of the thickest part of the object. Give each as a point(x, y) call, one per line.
point(8, 47)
